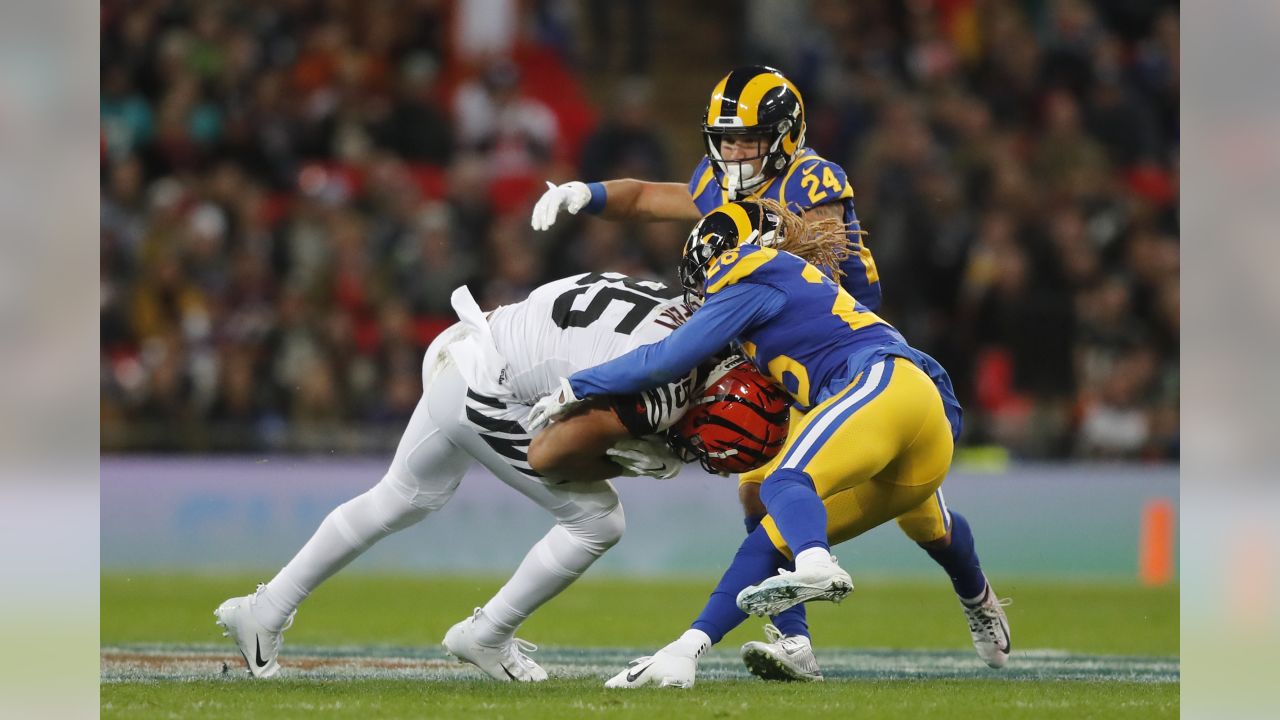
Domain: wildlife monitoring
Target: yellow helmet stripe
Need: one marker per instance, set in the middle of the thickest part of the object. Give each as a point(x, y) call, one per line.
point(741, 220)
point(749, 98)
point(717, 97)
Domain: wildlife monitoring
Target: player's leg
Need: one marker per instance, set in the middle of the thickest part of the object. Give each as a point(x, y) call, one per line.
point(879, 435)
point(798, 519)
point(589, 519)
point(855, 497)
point(948, 539)
point(791, 625)
point(867, 433)
point(786, 653)
point(422, 477)
point(588, 522)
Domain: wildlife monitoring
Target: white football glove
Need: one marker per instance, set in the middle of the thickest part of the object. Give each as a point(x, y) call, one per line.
point(552, 406)
point(645, 456)
point(572, 196)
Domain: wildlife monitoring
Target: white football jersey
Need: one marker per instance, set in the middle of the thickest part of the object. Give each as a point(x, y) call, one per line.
point(577, 323)
point(522, 350)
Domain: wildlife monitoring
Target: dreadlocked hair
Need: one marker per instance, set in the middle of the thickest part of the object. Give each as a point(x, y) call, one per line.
point(823, 243)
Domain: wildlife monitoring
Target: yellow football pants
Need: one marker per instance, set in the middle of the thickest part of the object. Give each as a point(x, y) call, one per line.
point(877, 450)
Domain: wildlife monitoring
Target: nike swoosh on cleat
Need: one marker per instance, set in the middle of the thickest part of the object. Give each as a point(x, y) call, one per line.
point(633, 675)
point(508, 672)
point(258, 651)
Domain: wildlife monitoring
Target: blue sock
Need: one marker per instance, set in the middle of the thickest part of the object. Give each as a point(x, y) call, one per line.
point(756, 560)
point(794, 620)
point(793, 503)
point(960, 559)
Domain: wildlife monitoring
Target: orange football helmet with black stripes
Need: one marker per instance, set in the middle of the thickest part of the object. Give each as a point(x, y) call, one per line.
point(738, 424)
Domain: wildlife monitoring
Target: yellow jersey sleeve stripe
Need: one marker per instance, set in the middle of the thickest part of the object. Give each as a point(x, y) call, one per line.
point(873, 273)
point(744, 267)
point(707, 175)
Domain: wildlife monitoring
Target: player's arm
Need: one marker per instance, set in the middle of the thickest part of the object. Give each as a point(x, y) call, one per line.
point(824, 212)
point(640, 200)
point(711, 328)
point(574, 448)
point(624, 199)
point(613, 436)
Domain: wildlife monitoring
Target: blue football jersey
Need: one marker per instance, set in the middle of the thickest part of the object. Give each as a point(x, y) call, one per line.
point(801, 329)
point(809, 181)
point(807, 346)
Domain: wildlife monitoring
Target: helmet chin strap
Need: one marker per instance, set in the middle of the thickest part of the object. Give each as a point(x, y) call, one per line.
point(735, 183)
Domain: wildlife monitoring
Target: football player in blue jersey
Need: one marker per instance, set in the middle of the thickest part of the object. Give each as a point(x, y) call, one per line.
point(874, 442)
point(753, 130)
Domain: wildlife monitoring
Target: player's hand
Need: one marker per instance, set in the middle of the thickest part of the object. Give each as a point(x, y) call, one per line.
point(555, 405)
point(645, 456)
point(572, 196)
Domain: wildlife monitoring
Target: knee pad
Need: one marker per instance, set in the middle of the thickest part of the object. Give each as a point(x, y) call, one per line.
point(380, 511)
point(598, 533)
point(782, 481)
point(428, 497)
point(394, 507)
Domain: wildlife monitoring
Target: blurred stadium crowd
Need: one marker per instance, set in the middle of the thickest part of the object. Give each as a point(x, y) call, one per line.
point(292, 188)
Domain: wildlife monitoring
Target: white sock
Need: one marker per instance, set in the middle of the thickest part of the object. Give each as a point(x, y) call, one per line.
point(811, 557)
point(344, 535)
point(549, 567)
point(693, 643)
point(974, 601)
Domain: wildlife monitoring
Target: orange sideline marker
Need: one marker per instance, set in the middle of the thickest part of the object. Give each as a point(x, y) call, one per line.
point(1155, 543)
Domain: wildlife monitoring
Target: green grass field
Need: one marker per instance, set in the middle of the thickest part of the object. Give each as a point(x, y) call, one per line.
point(368, 646)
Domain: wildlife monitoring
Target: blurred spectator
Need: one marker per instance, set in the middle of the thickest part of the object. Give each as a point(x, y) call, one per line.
point(291, 191)
point(515, 134)
point(626, 144)
point(415, 129)
point(637, 28)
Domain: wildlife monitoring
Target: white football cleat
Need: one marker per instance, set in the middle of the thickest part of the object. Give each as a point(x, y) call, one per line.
point(817, 581)
point(506, 662)
point(663, 669)
point(258, 646)
point(782, 657)
point(989, 628)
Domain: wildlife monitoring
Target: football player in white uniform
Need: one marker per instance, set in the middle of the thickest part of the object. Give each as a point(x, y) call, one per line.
point(480, 379)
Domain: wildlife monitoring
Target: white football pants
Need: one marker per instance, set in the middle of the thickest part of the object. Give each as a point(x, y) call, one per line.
point(431, 459)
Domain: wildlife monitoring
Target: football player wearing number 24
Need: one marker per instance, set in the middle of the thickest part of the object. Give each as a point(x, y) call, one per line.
point(874, 444)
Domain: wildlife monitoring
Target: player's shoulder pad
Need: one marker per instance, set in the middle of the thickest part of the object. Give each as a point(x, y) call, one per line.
point(702, 175)
point(813, 180)
point(735, 266)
